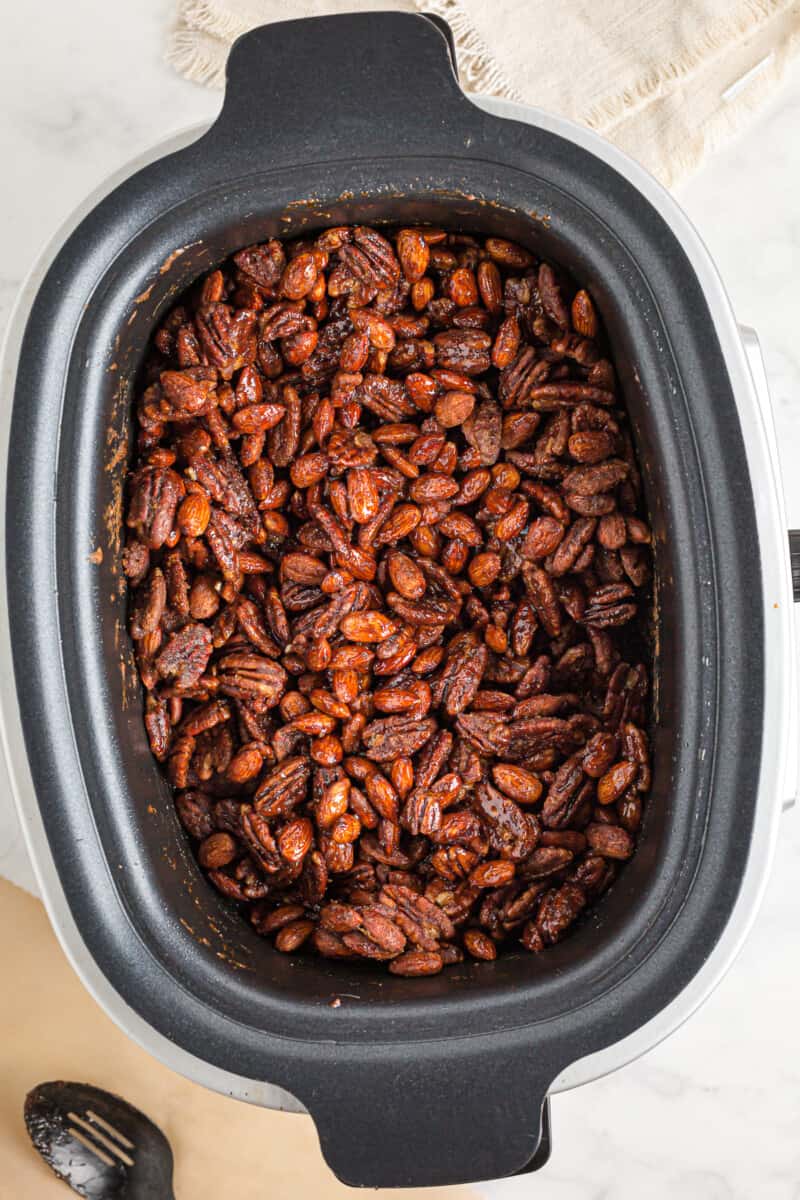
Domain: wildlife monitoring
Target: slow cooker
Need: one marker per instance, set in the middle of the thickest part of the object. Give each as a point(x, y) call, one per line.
point(440, 1080)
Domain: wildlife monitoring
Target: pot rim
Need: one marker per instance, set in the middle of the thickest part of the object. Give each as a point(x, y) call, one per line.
point(778, 770)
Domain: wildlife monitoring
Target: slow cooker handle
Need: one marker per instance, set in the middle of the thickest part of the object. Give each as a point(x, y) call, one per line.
point(434, 1114)
point(355, 87)
point(343, 87)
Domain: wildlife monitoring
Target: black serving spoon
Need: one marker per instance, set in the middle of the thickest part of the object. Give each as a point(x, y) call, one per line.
point(103, 1147)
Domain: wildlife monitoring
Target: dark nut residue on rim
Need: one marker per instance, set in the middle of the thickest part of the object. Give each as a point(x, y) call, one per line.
point(388, 572)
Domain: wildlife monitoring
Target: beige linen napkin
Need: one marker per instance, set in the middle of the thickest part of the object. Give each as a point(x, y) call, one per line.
point(667, 80)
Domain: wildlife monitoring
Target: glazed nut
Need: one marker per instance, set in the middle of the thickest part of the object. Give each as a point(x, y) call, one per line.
point(453, 408)
point(193, 514)
point(387, 561)
point(484, 569)
point(217, 851)
point(615, 782)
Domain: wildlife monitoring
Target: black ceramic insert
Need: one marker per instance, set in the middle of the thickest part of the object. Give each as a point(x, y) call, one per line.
point(430, 1081)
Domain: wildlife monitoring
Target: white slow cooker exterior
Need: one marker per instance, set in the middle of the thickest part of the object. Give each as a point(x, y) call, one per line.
point(779, 766)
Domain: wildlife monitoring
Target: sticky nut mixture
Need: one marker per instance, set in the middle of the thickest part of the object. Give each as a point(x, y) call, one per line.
point(388, 576)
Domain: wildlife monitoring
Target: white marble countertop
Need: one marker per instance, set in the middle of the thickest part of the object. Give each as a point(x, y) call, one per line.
point(714, 1112)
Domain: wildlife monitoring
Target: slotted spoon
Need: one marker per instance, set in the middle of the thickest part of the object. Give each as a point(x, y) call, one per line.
point(99, 1144)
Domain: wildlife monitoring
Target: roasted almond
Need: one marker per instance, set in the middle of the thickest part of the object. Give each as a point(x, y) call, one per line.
point(387, 562)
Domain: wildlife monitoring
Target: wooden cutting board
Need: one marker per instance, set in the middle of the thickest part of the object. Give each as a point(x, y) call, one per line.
point(53, 1029)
